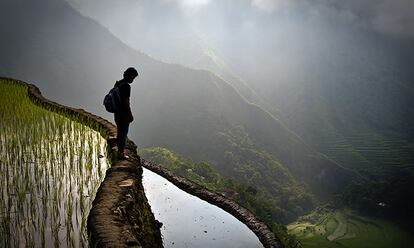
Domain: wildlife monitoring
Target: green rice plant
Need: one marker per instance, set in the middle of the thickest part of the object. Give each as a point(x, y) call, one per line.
point(50, 169)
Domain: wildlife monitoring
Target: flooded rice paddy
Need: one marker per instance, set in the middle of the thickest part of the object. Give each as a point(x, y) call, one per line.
point(50, 169)
point(191, 222)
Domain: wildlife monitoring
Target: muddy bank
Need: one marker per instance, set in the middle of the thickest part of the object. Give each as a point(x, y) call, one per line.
point(120, 215)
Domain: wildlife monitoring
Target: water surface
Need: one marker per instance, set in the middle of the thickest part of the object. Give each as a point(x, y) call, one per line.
point(189, 221)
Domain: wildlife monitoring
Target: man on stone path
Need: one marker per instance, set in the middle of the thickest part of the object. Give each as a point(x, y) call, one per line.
point(124, 116)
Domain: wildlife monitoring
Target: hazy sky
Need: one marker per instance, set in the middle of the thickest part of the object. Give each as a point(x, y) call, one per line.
point(385, 16)
point(388, 16)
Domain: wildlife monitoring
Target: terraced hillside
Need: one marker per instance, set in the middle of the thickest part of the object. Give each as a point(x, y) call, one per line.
point(372, 152)
point(193, 112)
point(344, 228)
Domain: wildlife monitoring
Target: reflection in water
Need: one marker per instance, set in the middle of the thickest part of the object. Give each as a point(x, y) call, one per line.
point(191, 222)
point(50, 169)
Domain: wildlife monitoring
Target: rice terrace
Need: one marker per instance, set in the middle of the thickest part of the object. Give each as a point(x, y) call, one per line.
point(50, 169)
point(327, 227)
point(61, 186)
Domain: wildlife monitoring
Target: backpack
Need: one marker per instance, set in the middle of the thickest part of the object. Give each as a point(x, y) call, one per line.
point(112, 100)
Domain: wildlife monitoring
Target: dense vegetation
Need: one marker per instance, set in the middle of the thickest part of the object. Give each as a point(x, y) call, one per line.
point(249, 183)
point(390, 197)
point(348, 97)
point(327, 227)
point(371, 198)
point(271, 208)
point(50, 169)
point(193, 112)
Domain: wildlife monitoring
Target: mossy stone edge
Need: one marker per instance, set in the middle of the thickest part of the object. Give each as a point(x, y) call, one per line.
point(110, 222)
point(120, 215)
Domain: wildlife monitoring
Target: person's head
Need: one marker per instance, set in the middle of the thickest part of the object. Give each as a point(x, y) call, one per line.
point(130, 74)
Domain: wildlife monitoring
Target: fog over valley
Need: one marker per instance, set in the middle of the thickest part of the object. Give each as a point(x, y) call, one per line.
point(300, 111)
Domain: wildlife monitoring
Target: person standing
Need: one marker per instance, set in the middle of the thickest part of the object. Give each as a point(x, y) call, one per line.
point(124, 115)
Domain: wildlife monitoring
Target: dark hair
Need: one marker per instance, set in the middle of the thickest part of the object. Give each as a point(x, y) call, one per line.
point(130, 73)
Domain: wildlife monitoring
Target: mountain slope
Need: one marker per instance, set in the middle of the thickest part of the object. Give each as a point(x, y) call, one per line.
point(75, 61)
point(328, 80)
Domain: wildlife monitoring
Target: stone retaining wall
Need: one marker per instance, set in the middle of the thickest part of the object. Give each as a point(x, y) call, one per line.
point(120, 215)
point(116, 218)
point(262, 231)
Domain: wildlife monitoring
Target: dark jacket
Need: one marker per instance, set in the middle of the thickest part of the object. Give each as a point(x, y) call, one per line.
point(125, 93)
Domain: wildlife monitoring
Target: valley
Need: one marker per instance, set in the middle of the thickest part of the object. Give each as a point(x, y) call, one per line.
point(282, 113)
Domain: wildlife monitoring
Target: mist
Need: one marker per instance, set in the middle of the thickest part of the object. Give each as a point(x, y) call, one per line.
point(273, 50)
point(290, 104)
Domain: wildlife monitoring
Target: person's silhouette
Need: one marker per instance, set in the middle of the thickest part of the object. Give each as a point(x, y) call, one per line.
point(124, 116)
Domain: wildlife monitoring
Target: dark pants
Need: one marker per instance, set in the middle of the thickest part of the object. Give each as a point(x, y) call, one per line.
point(122, 131)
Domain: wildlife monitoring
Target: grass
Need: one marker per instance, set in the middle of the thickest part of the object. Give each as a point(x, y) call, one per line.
point(50, 169)
point(345, 228)
point(203, 173)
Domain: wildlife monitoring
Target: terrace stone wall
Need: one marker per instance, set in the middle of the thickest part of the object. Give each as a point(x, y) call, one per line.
point(262, 231)
point(120, 215)
point(115, 219)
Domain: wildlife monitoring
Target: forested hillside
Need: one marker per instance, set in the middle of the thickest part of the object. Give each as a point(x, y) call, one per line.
point(336, 119)
point(76, 61)
point(346, 90)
